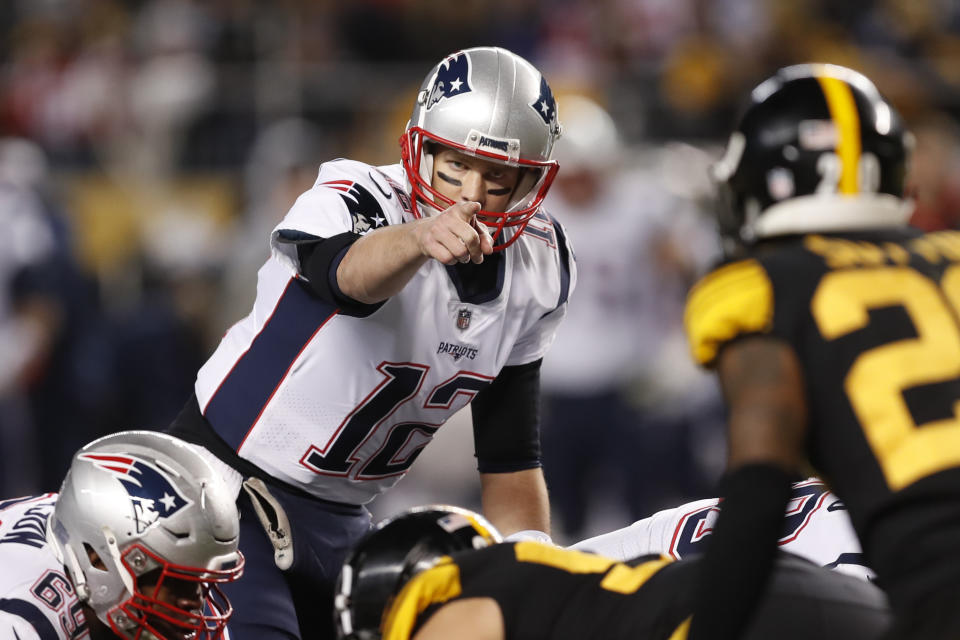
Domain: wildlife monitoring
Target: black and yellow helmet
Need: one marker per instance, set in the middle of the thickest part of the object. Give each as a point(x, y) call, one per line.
point(395, 551)
point(817, 149)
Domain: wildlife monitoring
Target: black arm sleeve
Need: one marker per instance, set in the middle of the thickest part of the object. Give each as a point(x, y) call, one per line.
point(506, 421)
point(319, 260)
point(739, 559)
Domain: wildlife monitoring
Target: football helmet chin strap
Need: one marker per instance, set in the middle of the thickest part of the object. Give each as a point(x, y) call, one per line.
point(66, 556)
point(114, 551)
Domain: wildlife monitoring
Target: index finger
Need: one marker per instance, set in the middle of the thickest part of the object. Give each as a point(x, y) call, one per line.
point(466, 210)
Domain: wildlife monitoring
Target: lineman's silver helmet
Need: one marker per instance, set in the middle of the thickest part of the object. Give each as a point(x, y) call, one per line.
point(493, 104)
point(161, 520)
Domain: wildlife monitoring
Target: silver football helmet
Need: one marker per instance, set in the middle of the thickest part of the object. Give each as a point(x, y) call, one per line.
point(493, 104)
point(165, 528)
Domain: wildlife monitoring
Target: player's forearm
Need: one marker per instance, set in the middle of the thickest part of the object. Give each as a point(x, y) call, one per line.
point(739, 559)
point(381, 263)
point(516, 501)
point(623, 544)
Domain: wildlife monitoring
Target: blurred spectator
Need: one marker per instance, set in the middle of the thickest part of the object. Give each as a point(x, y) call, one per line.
point(934, 176)
point(283, 163)
point(167, 331)
point(598, 445)
point(172, 83)
point(48, 396)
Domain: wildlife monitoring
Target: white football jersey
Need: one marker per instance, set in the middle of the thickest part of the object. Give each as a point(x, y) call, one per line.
point(37, 600)
point(816, 526)
point(341, 406)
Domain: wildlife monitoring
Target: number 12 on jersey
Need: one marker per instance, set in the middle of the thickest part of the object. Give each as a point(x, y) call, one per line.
point(404, 440)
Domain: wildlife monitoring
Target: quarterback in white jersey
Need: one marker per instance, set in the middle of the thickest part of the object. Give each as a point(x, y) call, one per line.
point(340, 405)
point(394, 296)
point(816, 526)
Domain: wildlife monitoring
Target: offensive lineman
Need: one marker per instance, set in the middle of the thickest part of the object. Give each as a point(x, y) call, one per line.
point(815, 526)
point(134, 546)
point(394, 296)
point(833, 329)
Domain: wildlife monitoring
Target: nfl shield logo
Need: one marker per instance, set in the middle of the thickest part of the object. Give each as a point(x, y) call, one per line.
point(463, 318)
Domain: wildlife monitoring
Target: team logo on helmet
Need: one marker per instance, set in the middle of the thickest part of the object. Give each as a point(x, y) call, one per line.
point(152, 495)
point(545, 105)
point(453, 78)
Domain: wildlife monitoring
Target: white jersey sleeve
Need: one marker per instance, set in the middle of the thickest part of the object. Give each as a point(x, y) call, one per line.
point(348, 196)
point(816, 527)
point(542, 267)
point(37, 599)
point(16, 628)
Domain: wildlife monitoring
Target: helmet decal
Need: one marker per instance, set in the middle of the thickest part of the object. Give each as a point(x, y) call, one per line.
point(843, 111)
point(152, 495)
point(545, 105)
point(453, 78)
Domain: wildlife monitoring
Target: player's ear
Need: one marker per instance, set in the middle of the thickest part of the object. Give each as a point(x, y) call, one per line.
point(94, 558)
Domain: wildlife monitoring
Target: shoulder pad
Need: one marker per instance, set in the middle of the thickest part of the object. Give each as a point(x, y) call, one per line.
point(733, 300)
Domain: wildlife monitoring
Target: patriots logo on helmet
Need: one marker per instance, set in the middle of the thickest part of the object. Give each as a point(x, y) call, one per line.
point(152, 494)
point(453, 79)
point(545, 105)
point(366, 214)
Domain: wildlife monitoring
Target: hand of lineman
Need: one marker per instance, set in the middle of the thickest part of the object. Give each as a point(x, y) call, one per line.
point(455, 235)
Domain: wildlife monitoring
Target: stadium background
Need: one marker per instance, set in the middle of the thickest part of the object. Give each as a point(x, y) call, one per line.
point(165, 138)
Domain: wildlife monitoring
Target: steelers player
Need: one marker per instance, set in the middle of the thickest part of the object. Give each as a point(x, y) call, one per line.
point(833, 327)
point(439, 572)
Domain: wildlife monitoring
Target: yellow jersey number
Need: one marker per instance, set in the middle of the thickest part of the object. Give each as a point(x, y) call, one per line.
point(905, 450)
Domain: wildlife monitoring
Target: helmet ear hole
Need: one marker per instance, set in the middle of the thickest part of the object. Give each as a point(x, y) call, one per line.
point(94, 558)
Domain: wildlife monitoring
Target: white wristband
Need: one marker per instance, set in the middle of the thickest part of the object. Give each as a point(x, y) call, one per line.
point(531, 535)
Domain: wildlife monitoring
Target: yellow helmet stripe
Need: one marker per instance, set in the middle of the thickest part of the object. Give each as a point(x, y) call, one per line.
point(843, 112)
point(435, 585)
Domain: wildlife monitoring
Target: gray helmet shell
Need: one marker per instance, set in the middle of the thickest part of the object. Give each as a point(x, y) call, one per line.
point(491, 103)
point(146, 490)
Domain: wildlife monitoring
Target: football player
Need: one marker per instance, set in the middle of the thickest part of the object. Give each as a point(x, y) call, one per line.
point(436, 573)
point(833, 329)
point(395, 295)
point(135, 546)
point(815, 526)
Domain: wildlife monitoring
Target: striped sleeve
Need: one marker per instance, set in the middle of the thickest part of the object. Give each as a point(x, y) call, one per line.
point(733, 300)
point(24, 620)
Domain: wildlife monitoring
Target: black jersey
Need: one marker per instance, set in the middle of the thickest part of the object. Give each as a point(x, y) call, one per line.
point(873, 318)
point(561, 594)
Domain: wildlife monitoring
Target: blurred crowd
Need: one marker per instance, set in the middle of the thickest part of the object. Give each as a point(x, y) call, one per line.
point(149, 147)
